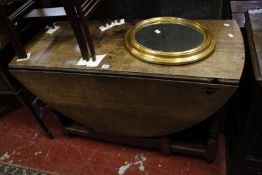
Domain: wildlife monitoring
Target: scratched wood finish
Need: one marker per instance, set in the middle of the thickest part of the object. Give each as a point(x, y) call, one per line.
point(60, 52)
point(131, 98)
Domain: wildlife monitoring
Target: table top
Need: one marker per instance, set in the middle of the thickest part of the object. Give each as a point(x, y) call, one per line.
point(59, 52)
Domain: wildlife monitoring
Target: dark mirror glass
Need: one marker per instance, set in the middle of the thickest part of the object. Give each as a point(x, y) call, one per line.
point(169, 37)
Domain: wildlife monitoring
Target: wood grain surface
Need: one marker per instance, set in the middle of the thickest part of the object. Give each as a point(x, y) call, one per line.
point(127, 106)
point(59, 51)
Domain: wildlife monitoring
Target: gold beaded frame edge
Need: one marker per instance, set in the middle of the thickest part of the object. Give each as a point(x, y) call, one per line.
point(198, 53)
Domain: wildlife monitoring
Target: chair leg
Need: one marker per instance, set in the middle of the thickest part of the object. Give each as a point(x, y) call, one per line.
point(76, 26)
point(31, 110)
point(11, 33)
point(80, 29)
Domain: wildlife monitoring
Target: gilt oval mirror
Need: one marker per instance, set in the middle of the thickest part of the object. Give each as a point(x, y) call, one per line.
point(170, 41)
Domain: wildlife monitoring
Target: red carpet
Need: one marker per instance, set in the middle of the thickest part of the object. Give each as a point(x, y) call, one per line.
point(23, 143)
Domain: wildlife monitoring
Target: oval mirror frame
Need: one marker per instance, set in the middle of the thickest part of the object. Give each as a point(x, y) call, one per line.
point(198, 53)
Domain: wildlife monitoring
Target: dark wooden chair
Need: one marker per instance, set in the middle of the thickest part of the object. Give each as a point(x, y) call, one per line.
point(9, 86)
point(76, 13)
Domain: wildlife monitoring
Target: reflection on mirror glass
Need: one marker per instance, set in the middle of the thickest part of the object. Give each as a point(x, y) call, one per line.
point(169, 37)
